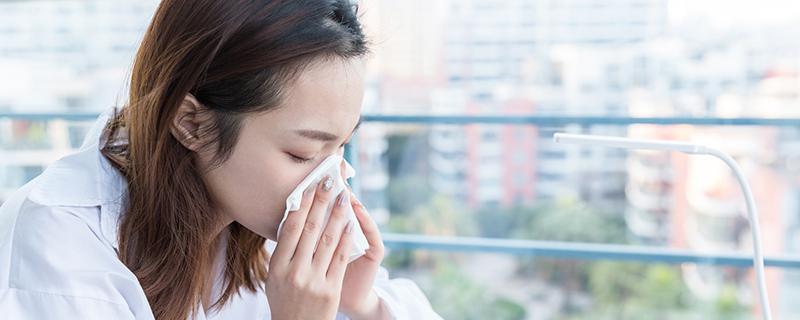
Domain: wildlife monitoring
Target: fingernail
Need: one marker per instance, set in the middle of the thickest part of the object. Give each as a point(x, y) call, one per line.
point(344, 199)
point(309, 191)
point(349, 227)
point(327, 183)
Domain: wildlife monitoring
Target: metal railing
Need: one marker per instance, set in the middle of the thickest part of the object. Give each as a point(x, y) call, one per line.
point(554, 249)
point(575, 250)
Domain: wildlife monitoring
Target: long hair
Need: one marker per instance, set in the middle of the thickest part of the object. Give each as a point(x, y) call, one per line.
point(235, 57)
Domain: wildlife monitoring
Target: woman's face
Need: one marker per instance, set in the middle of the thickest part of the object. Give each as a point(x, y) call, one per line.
point(277, 149)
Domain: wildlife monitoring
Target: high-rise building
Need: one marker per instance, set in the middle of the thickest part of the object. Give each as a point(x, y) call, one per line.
point(541, 57)
point(60, 56)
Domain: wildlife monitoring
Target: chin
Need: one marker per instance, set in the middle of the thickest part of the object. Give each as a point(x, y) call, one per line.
point(270, 233)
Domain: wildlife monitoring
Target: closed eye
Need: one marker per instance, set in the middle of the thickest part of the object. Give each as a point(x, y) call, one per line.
point(301, 160)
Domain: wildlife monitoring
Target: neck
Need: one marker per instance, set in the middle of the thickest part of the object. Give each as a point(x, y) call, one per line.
point(218, 254)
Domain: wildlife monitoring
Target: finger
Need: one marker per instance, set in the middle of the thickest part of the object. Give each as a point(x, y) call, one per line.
point(368, 225)
point(333, 231)
point(314, 222)
point(339, 260)
point(292, 228)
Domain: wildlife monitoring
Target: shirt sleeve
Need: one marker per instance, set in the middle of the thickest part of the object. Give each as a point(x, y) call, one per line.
point(60, 268)
point(32, 305)
point(403, 298)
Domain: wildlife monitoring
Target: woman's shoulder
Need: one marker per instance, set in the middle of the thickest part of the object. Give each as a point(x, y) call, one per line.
point(74, 230)
point(52, 263)
point(59, 250)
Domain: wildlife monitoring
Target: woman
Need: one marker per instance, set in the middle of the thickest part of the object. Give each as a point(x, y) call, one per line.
point(164, 211)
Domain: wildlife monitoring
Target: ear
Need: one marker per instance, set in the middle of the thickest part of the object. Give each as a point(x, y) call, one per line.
point(188, 123)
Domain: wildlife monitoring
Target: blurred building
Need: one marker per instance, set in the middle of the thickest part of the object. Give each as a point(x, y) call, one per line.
point(694, 202)
point(60, 56)
point(544, 57)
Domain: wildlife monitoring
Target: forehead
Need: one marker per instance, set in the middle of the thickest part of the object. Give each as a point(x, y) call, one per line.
point(325, 96)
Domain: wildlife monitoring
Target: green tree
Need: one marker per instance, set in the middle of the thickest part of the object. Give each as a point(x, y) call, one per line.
point(570, 221)
point(455, 296)
point(407, 193)
point(625, 290)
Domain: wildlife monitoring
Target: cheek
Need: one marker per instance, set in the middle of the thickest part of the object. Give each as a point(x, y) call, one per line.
point(252, 186)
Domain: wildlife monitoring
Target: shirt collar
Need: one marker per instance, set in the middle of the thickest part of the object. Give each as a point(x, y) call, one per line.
point(85, 179)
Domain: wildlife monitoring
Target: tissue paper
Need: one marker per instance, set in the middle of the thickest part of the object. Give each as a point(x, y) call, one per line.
point(331, 166)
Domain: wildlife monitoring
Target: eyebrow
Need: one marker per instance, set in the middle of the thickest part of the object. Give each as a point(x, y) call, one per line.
point(322, 135)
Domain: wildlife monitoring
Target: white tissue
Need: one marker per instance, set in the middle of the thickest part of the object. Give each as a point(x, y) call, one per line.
point(330, 167)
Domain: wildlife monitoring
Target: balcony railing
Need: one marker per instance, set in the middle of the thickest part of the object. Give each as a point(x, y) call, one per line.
point(555, 249)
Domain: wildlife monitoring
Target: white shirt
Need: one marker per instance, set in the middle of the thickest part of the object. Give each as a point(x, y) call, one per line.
point(58, 243)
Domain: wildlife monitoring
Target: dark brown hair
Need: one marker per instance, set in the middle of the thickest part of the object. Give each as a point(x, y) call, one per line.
point(235, 57)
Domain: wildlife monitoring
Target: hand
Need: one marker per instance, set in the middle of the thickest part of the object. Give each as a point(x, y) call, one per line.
point(358, 299)
point(303, 283)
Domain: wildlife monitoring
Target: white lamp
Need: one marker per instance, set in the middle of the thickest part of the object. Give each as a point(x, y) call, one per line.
point(752, 212)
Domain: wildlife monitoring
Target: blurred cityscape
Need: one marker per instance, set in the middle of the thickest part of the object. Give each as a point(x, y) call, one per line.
point(614, 58)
